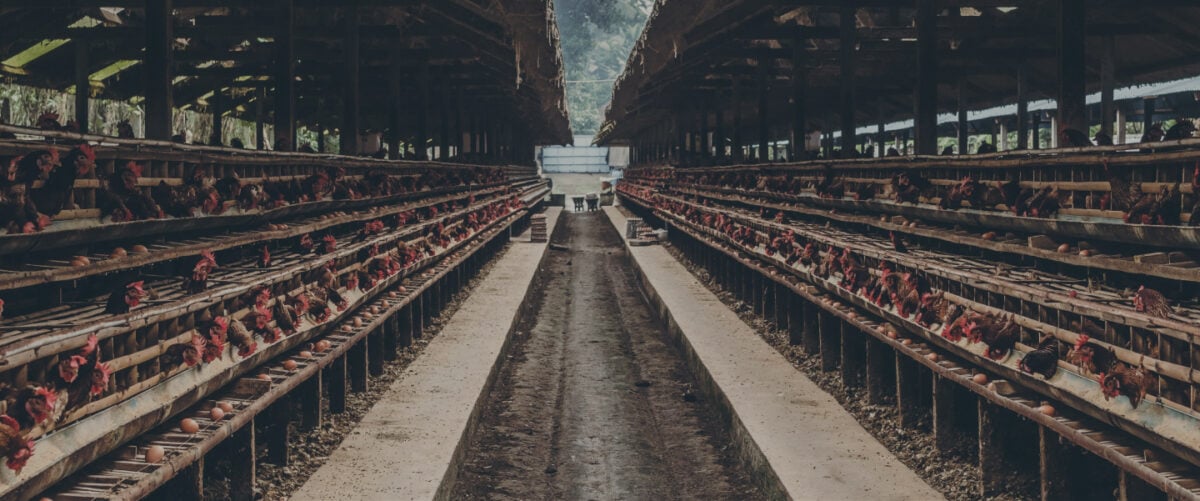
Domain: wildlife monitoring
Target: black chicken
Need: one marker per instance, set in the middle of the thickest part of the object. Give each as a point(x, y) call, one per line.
point(1043, 360)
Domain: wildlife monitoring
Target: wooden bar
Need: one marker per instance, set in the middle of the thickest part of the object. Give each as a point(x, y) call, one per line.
point(310, 394)
point(907, 390)
point(945, 431)
point(1072, 66)
point(1054, 466)
point(243, 461)
point(188, 484)
point(1132, 488)
point(831, 330)
point(350, 139)
point(880, 371)
point(811, 330)
point(1108, 106)
point(337, 385)
point(799, 98)
point(285, 76)
point(83, 85)
point(927, 82)
point(848, 25)
point(157, 68)
point(764, 132)
point(375, 351)
point(357, 362)
point(278, 418)
point(853, 356)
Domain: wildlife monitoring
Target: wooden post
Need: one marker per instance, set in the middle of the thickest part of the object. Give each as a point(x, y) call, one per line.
point(764, 132)
point(278, 416)
point(395, 108)
point(853, 355)
point(963, 125)
point(1120, 137)
point(799, 99)
point(422, 139)
point(944, 431)
point(705, 150)
point(811, 333)
point(404, 329)
point(1072, 66)
point(907, 390)
point(1054, 463)
point(390, 335)
point(375, 350)
point(260, 135)
point(312, 415)
point(242, 459)
point(418, 316)
point(1107, 83)
point(459, 126)
point(795, 320)
point(444, 123)
point(188, 484)
point(1022, 108)
point(848, 29)
point(1147, 113)
point(285, 75)
point(831, 330)
point(718, 134)
point(216, 105)
point(739, 154)
point(879, 364)
point(350, 141)
point(157, 66)
point(337, 385)
point(83, 84)
point(1132, 488)
point(357, 364)
point(926, 91)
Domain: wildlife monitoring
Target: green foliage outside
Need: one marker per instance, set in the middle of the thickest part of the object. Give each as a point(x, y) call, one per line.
point(597, 37)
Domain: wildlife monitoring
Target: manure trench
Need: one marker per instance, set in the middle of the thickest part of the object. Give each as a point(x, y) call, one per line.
point(591, 402)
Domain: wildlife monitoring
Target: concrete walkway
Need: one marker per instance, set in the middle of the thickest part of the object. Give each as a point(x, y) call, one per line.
point(789, 428)
point(410, 440)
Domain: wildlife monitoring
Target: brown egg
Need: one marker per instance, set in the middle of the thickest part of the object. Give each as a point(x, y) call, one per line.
point(357, 321)
point(367, 315)
point(348, 328)
point(906, 342)
point(264, 377)
point(322, 346)
point(118, 253)
point(84, 259)
point(306, 354)
point(154, 454)
point(375, 310)
point(290, 365)
point(1085, 253)
point(852, 315)
point(932, 356)
point(189, 425)
point(392, 294)
point(225, 406)
point(77, 263)
point(216, 413)
point(1047, 409)
point(139, 249)
point(893, 334)
point(1064, 248)
point(980, 378)
point(991, 235)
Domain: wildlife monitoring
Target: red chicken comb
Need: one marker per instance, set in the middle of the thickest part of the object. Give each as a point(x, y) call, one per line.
point(134, 167)
point(221, 322)
point(47, 395)
point(17, 460)
point(1082, 340)
point(88, 152)
point(90, 346)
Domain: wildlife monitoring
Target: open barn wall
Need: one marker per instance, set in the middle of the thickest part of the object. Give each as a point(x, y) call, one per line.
point(695, 52)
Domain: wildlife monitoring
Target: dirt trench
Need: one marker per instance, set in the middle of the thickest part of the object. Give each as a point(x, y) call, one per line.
point(591, 402)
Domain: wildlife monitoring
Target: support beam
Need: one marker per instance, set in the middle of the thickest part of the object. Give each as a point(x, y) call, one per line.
point(395, 107)
point(421, 142)
point(1022, 108)
point(444, 123)
point(285, 76)
point(83, 85)
point(242, 458)
point(846, 51)
point(1148, 105)
point(1072, 67)
point(799, 99)
point(737, 146)
point(764, 133)
point(963, 125)
point(157, 70)
point(260, 134)
point(1107, 83)
point(350, 83)
point(216, 106)
point(926, 91)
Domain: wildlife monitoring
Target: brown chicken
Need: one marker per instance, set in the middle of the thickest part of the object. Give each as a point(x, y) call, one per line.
point(1089, 356)
point(1152, 302)
point(1125, 380)
point(198, 282)
point(13, 445)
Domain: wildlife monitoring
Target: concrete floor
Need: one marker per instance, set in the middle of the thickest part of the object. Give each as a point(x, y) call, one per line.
point(788, 425)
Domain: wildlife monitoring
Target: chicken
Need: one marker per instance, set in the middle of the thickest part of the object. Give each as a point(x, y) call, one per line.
point(83, 375)
point(189, 354)
point(954, 321)
point(1091, 357)
point(1044, 203)
point(897, 243)
point(1163, 209)
point(1043, 360)
point(32, 406)
point(1194, 219)
point(13, 445)
point(123, 200)
point(122, 299)
point(830, 187)
point(1072, 138)
point(1000, 335)
point(286, 317)
point(968, 190)
point(909, 187)
point(1152, 302)
point(241, 337)
point(55, 194)
point(215, 335)
point(1125, 380)
point(179, 201)
point(1183, 129)
point(198, 281)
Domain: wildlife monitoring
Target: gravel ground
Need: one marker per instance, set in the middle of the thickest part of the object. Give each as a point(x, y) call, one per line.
point(955, 474)
point(309, 450)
